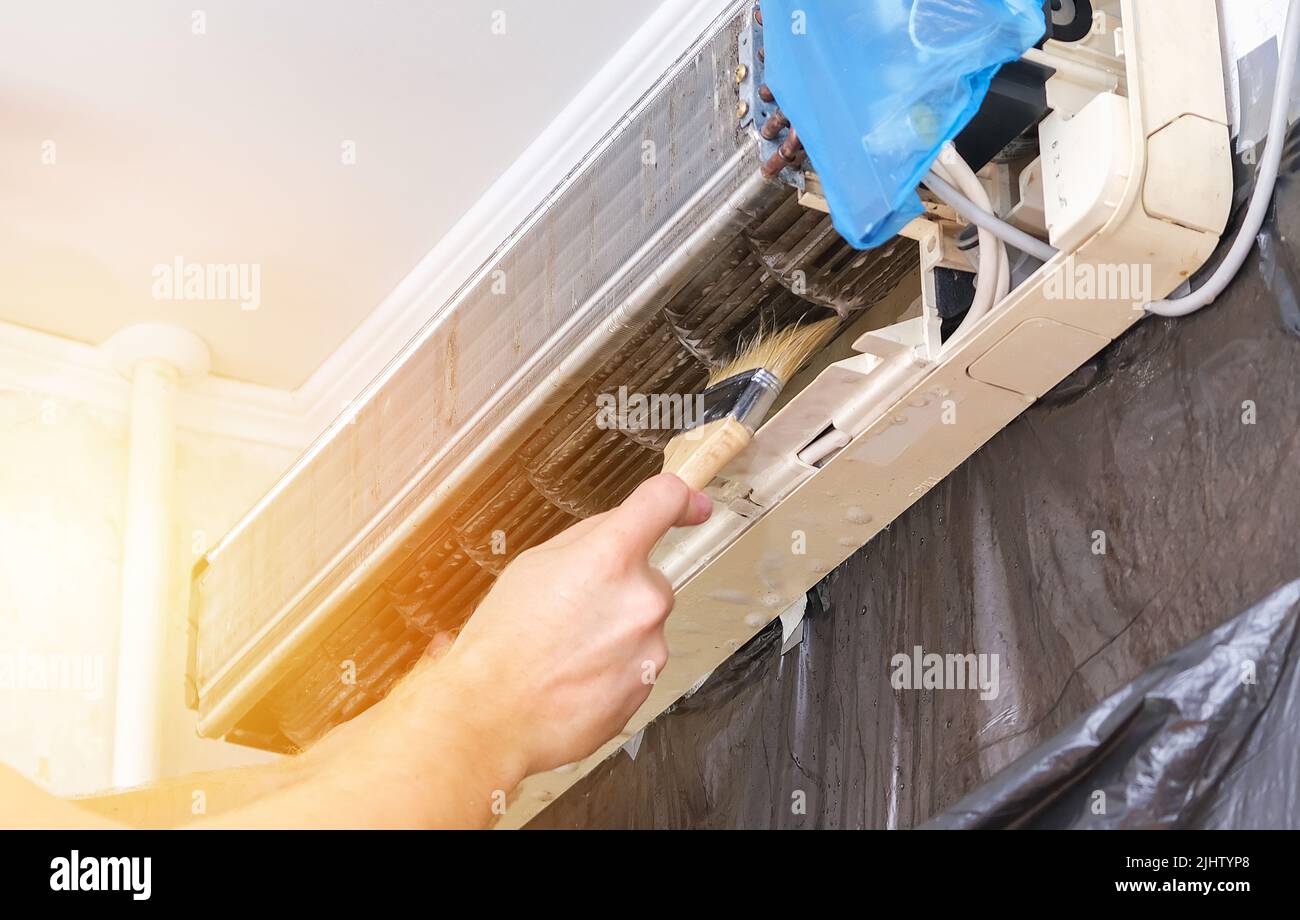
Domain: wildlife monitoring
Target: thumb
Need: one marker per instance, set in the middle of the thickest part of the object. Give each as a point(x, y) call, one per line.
point(659, 503)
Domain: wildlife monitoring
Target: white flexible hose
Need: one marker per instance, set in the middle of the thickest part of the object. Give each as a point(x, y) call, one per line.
point(970, 185)
point(994, 281)
point(1265, 182)
point(987, 220)
point(986, 272)
point(1004, 274)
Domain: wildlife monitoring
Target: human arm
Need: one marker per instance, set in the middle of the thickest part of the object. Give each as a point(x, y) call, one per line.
point(551, 665)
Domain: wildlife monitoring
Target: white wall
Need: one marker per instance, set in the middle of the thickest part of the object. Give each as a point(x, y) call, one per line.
point(61, 510)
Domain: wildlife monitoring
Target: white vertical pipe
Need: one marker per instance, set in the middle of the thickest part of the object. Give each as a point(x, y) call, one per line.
point(146, 583)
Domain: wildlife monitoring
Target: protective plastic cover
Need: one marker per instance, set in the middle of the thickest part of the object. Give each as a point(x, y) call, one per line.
point(1206, 738)
point(1131, 515)
point(875, 87)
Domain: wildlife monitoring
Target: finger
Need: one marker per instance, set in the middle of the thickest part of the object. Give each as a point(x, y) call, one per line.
point(659, 503)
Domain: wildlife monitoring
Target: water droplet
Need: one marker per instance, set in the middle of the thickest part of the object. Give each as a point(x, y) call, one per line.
point(730, 596)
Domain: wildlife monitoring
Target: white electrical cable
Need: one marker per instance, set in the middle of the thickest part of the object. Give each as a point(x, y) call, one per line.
point(992, 284)
point(954, 169)
point(950, 170)
point(972, 203)
point(986, 272)
point(1265, 182)
point(1004, 274)
point(986, 220)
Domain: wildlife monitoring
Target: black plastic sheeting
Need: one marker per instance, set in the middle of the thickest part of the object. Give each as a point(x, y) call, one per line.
point(1208, 738)
point(1145, 503)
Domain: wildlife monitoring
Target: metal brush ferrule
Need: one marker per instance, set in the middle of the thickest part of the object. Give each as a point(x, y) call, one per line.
point(746, 397)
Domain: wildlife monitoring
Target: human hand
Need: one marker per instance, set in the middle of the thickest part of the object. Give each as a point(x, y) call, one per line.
point(569, 641)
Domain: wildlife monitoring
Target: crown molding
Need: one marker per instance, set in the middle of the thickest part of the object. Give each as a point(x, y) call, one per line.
point(40, 363)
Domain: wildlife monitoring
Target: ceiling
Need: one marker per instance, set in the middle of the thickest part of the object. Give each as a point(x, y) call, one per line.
point(131, 142)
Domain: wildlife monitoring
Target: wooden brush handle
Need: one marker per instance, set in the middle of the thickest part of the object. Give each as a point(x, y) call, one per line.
point(698, 455)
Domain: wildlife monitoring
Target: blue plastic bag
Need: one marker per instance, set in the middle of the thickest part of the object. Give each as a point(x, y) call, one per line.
point(875, 87)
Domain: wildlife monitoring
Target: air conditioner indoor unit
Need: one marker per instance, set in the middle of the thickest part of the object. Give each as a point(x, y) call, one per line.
point(637, 275)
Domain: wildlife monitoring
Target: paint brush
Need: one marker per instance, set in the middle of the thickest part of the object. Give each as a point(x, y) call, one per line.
point(738, 399)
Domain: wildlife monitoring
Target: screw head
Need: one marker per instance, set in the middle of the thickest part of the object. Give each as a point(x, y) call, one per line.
point(741, 72)
point(742, 109)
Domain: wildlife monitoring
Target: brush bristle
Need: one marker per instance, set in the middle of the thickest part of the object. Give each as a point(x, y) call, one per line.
point(781, 353)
